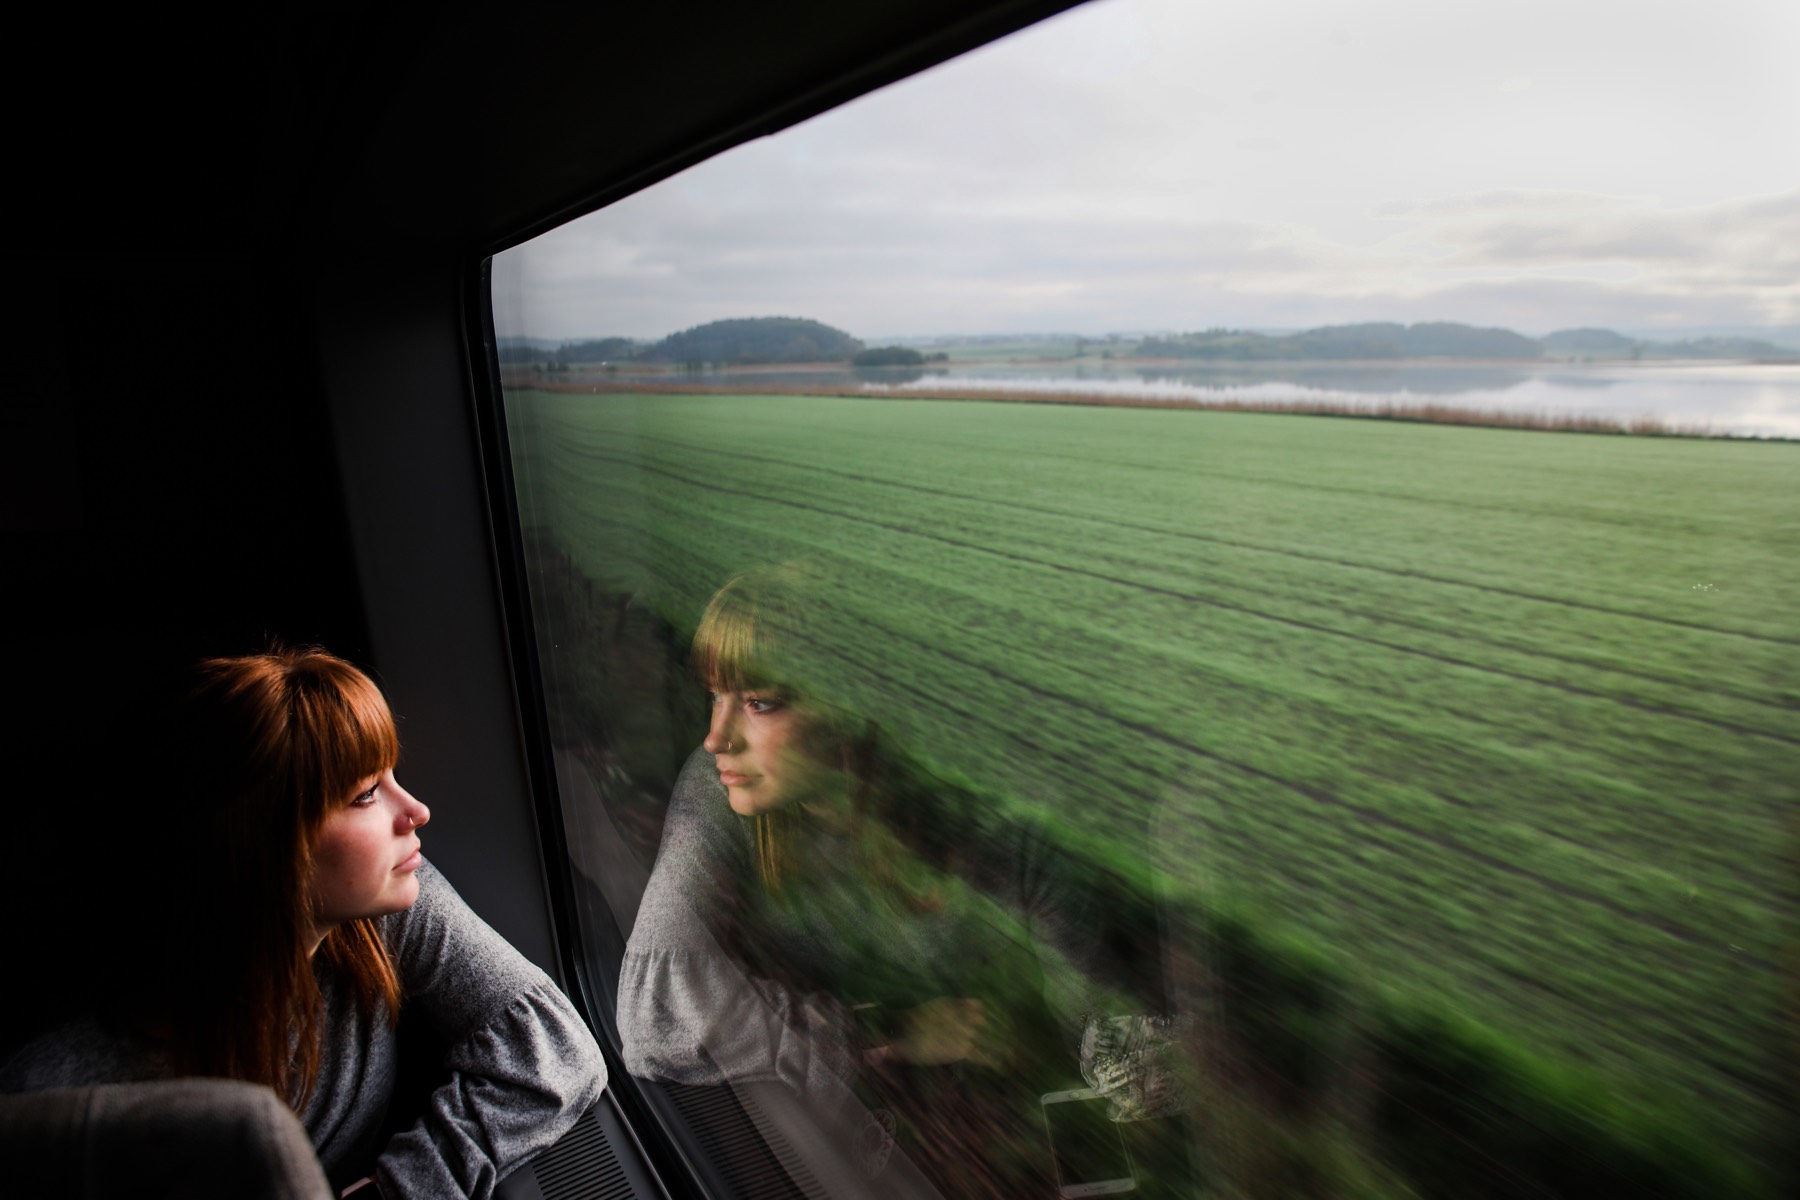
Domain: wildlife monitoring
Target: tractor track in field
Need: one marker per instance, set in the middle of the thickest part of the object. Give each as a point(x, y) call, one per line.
point(1445, 842)
point(1210, 602)
point(1303, 555)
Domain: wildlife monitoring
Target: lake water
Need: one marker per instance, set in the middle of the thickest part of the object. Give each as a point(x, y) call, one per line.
point(1744, 399)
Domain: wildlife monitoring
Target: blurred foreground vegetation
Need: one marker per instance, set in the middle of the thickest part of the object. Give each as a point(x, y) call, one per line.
point(1446, 774)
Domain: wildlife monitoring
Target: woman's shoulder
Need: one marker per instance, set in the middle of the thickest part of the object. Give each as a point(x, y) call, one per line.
point(440, 931)
point(706, 850)
point(81, 1053)
point(699, 824)
point(437, 911)
point(698, 797)
point(455, 967)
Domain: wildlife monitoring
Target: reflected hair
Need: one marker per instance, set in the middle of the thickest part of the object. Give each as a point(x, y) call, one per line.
point(742, 630)
point(748, 623)
point(262, 749)
point(762, 629)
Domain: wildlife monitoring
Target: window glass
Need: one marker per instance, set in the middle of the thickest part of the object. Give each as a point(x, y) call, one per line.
point(1198, 601)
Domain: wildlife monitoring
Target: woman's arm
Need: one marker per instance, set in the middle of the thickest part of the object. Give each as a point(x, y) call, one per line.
point(522, 1064)
point(689, 1011)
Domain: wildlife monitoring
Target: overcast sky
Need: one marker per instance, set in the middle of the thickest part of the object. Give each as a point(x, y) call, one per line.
point(1143, 165)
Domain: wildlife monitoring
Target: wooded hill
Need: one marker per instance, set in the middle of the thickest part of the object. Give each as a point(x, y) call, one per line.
point(740, 341)
point(747, 340)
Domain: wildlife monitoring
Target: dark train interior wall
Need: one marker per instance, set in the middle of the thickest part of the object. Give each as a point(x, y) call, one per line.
point(170, 483)
point(238, 256)
point(171, 492)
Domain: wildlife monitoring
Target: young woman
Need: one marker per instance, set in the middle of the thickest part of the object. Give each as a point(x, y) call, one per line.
point(288, 916)
point(825, 914)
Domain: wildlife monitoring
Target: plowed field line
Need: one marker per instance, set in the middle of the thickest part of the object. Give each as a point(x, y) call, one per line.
point(1294, 485)
point(1187, 535)
point(1246, 610)
point(1317, 795)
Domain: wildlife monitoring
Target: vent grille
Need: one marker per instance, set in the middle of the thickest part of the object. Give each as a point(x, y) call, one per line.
point(582, 1166)
point(753, 1163)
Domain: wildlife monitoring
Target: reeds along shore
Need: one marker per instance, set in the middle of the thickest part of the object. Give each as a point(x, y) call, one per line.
point(1377, 410)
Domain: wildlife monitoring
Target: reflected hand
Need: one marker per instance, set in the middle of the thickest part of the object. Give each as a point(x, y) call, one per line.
point(945, 1030)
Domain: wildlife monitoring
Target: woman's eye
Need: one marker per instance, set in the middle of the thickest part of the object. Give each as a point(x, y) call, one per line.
point(762, 704)
point(364, 799)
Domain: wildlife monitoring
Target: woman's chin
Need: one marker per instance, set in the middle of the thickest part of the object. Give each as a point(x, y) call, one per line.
point(753, 801)
point(401, 897)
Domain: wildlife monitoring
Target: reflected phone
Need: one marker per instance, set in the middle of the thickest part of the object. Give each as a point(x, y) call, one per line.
point(1085, 1145)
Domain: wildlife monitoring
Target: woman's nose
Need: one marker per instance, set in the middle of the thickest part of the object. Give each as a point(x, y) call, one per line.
point(413, 811)
point(720, 734)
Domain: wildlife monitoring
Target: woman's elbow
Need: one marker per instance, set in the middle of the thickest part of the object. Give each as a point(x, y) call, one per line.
point(593, 1068)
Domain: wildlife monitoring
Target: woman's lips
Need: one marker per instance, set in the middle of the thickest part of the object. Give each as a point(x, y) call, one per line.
point(733, 779)
point(413, 861)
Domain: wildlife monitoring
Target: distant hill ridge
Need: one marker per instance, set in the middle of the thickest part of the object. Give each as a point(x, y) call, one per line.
point(1439, 339)
point(743, 341)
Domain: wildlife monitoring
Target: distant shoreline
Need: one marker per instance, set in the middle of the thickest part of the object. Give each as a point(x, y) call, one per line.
point(1406, 412)
point(586, 370)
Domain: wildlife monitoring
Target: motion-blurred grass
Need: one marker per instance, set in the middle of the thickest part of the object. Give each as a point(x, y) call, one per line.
point(1498, 717)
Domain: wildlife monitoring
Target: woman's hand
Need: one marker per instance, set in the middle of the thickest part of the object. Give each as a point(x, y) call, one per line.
point(945, 1030)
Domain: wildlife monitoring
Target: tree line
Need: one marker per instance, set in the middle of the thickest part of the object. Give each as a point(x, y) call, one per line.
point(747, 341)
point(1388, 340)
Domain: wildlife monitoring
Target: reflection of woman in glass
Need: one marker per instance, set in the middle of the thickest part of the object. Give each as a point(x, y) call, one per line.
point(822, 913)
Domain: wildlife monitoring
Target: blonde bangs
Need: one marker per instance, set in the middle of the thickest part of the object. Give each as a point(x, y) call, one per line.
point(725, 644)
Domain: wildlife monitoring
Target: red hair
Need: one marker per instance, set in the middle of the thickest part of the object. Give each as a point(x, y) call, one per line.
point(263, 750)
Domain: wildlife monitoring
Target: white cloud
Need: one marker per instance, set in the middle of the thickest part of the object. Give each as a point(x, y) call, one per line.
point(1158, 164)
point(1743, 254)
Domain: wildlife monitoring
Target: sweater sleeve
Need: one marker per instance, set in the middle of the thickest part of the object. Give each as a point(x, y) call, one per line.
point(691, 1013)
point(522, 1065)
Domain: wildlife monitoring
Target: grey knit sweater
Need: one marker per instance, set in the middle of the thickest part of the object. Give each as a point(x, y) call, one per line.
point(522, 1066)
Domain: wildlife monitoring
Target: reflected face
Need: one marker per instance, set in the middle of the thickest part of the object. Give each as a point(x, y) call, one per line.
point(365, 853)
point(759, 741)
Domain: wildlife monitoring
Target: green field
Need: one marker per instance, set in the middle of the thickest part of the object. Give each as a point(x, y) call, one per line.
point(1502, 717)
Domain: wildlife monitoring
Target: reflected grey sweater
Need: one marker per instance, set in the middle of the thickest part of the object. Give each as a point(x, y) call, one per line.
point(691, 1010)
point(522, 1065)
point(688, 1011)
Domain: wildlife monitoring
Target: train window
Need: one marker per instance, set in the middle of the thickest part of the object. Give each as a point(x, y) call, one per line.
point(1197, 601)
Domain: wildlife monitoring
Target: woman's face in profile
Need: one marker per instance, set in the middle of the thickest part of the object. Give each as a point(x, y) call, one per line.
point(365, 853)
point(760, 741)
